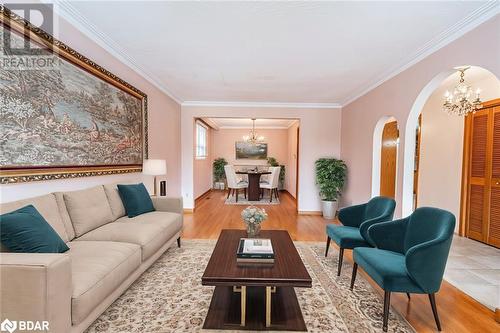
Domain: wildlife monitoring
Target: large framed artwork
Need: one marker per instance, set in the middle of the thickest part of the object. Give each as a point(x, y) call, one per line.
point(252, 151)
point(73, 119)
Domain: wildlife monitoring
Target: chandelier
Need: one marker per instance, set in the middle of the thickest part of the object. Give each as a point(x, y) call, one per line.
point(460, 102)
point(253, 137)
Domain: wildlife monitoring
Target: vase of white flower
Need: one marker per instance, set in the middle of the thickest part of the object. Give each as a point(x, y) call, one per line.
point(253, 217)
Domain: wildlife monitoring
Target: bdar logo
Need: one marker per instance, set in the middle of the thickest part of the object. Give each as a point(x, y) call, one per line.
point(8, 326)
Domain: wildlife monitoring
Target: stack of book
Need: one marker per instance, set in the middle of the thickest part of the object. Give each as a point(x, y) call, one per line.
point(255, 250)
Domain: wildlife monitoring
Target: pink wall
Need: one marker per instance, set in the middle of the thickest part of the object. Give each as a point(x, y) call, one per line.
point(164, 125)
point(224, 145)
point(202, 168)
point(396, 97)
point(319, 137)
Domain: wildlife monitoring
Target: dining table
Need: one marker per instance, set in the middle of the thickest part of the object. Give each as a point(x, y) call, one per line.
point(253, 182)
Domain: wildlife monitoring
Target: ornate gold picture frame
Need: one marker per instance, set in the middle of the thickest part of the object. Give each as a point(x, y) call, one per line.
point(73, 120)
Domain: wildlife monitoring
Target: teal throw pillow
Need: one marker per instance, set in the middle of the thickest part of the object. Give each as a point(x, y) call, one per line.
point(25, 230)
point(136, 199)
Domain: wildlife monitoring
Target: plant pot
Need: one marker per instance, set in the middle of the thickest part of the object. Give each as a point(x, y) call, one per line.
point(329, 209)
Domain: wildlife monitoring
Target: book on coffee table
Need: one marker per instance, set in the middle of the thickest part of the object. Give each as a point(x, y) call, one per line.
point(255, 250)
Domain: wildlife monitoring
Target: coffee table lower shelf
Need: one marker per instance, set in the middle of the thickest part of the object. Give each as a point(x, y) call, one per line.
point(225, 310)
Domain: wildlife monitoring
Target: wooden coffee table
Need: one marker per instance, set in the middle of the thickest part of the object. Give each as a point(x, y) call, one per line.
point(255, 296)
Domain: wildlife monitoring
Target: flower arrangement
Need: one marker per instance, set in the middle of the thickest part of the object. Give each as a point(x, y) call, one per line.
point(253, 217)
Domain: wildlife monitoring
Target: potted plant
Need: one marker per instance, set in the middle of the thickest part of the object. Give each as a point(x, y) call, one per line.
point(219, 173)
point(273, 162)
point(330, 178)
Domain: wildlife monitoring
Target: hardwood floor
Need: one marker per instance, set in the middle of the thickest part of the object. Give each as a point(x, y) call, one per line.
point(212, 215)
point(458, 312)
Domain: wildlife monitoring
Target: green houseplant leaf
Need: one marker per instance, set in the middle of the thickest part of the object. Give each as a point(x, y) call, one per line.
point(218, 169)
point(330, 177)
point(272, 162)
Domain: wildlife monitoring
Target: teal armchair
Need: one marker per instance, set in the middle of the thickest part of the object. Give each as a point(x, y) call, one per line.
point(355, 223)
point(410, 255)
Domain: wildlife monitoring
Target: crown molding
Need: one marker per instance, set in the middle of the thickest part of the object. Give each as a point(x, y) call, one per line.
point(263, 104)
point(470, 22)
point(67, 11)
point(256, 127)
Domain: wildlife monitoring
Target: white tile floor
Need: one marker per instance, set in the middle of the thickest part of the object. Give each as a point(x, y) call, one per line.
point(474, 268)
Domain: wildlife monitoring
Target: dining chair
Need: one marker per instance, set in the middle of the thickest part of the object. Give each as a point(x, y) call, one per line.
point(233, 184)
point(355, 222)
point(410, 255)
point(272, 184)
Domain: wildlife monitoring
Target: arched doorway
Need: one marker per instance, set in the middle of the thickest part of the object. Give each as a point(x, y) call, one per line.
point(441, 165)
point(385, 151)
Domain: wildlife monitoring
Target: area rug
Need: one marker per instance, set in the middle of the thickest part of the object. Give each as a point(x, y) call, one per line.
point(169, 296)
point(242, 201)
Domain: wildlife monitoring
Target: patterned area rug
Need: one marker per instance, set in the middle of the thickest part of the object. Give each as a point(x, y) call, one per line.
point(169, 296)
point(242, 201)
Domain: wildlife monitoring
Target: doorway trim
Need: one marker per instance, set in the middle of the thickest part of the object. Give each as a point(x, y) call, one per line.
point(409, 139)
point(377, 153)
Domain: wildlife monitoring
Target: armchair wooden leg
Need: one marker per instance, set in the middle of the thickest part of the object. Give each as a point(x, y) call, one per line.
point(237, 191)
point(327, 245)
point(277, 194)
point(179, 242)
point(353, 277)
point(408, 295)
point(270, 195)
point(387, 306)
point(341, 257)
point(228, 192)
point(245, 192)
point(432, 299)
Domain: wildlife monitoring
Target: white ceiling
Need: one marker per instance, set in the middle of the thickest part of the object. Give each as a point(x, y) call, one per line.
point(273, 52)
point(247, 123)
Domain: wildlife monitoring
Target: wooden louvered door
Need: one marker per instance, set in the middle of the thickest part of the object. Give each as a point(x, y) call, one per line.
point(478, 175)
point(483, 183)
point(494, 211)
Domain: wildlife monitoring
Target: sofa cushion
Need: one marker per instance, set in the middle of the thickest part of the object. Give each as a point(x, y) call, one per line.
point(25, 230)
point(46, 205)
point(98, 268)
point(115, 201)
point(151, 231)
point(387, 268)
point(70, 231)
point(136, 199)
point(345, 237)
point(88, 209)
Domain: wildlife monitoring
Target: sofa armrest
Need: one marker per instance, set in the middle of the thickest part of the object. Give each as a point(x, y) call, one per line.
point(168, 204)
point(36, 287)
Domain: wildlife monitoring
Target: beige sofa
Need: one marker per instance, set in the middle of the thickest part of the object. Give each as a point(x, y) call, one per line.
point(108, 252)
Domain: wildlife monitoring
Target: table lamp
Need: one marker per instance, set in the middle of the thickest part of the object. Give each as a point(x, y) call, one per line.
point(154, 168)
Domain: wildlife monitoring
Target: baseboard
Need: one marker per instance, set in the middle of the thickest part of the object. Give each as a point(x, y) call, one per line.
point(188, 210)
point(290, 194)
point(309, 212)
point(203, 194)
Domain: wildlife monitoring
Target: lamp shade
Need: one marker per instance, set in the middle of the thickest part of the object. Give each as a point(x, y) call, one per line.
point(154, 167)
